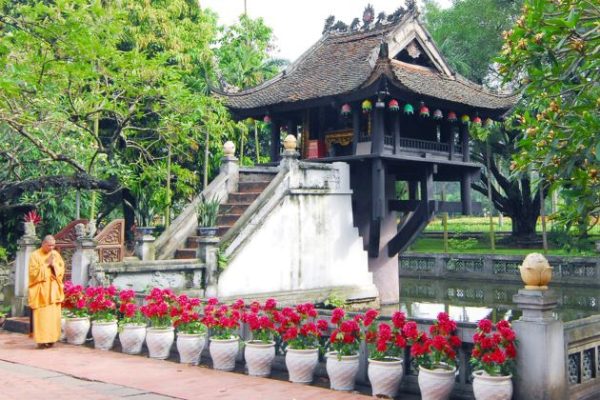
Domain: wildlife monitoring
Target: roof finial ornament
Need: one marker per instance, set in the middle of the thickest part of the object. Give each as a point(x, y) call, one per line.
point(328, 24)
point(368, 15)
point(411, 7)
point(354, 25)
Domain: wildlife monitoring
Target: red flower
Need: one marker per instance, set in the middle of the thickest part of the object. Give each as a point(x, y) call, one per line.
point(337, 315)
point(485, 325)
point(398, 319)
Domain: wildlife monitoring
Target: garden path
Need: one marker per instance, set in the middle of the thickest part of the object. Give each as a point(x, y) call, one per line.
point(80, 372)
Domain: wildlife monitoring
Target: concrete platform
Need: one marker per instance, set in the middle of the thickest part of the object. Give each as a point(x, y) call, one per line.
point(80, 372)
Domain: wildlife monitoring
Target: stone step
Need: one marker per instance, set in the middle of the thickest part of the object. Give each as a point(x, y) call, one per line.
point(17, 324)
point(222, 229)
point(185, 254)
point(255, 174)
point(228, 208)
point(227, 219)
point(242, 198)
point(249, 187)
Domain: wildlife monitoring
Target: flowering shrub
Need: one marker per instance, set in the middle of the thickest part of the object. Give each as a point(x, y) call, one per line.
point(261, 320)
point(158, 307)
point(298, 327)
point(33, 217)
point(128, 309)
point(387, 341)
point(439, 349)
point(223, 320)
point(75, 300)
point(101, 303)
point(185, 315)
point(345, 338)
point(494, 352)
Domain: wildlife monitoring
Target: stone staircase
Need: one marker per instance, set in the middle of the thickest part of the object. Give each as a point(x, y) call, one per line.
point(252, 182)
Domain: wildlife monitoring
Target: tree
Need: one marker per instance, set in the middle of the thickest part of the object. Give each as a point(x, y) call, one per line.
point(469, 33)
point(92, 93)
point(552, 52)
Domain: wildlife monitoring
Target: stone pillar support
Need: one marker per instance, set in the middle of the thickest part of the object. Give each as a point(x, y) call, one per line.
point(541, 360)
point(27, 245)
point(84, 255)
point(145, 249)
point(207, 253)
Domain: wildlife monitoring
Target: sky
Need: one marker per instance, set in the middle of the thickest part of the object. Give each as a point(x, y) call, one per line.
point(298, 24)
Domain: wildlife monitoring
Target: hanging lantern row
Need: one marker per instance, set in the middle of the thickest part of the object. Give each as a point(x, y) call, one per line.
point(408, 109)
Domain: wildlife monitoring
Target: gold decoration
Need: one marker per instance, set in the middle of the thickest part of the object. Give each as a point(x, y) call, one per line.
point(536, 272)
point(341, 137)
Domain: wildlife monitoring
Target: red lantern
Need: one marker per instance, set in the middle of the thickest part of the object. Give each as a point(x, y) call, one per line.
point(267, 119)
point(346, 110)
point(423, 110)
point(477, 120)
point(452, 116)
point(393, 105)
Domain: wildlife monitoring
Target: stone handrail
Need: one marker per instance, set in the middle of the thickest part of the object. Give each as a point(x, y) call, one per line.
point(582, 338)
point(583, 271)
point(186, 223)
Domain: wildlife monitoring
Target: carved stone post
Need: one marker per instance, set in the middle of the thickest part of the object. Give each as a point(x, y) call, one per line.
point(84, 255)
point(27, 245)
point(230, 166)
point(144, 246)
point(541, 360)
point(290, 155)
point(207, 253)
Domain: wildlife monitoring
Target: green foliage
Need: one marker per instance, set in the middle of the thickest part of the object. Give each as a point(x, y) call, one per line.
point(468, 34)
point(208, 212)
point(334, 301)
point(552, 53)
point(3, 255)
point(462, 244)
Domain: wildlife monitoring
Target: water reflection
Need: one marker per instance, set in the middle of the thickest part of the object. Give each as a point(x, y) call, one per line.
point(471, 301)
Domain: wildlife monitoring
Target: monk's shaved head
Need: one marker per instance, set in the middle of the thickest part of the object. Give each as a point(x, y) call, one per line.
point(48, 243)
point(49, 239)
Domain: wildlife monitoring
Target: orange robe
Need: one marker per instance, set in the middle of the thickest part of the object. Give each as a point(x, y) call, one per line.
point(46, 295)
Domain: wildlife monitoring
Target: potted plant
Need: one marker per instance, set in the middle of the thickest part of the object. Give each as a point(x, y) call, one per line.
point(493, 359)
point(77, 323)
point(132, 325)
point(160, 334)
point(386, 345)
point(342, 361)
point(103, 311)
point(259, 351)
point(31, 220)
point(435, 356)
point(191, 333)
point(208, 212)
point(224, 322)
point(301, 334)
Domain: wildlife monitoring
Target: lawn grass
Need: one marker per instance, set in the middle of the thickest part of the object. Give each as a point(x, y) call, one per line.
point(433, 245)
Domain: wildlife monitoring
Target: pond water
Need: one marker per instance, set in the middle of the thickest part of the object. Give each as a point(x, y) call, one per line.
point(470, 301)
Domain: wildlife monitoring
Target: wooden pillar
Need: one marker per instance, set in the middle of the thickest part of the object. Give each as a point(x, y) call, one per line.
point(464, 140)
point(275, 140)
point(396, 131)
point(412, 190)
point(355, 126)
point(465, 194)
point(378, 130)
point(427, 186)
point(377, 205)
point(450, 141)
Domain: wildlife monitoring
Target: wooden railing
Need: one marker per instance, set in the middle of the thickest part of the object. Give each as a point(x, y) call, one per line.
point(110, 242)
point(423, 145)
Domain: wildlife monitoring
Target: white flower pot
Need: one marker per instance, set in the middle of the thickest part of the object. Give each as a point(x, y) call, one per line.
point(104, 334)
point(488, 387)
point(223, 353)
point(63, 333)
point(159, 342)
point(301, 364)
point(189, 347)
point(132, 338)
point(259, 357)
point(436, 384)
point(385, 376)
point(76, 329)
point(342, 373)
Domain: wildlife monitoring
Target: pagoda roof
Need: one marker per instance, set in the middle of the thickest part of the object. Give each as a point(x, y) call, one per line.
point(343, 63)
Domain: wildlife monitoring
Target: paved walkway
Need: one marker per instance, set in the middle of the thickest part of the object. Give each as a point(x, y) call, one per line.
point(80, 372)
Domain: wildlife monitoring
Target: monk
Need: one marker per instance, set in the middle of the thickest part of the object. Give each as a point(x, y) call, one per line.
point(46, 271)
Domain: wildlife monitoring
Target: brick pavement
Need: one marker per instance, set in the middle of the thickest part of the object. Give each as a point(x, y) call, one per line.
point(80, 372)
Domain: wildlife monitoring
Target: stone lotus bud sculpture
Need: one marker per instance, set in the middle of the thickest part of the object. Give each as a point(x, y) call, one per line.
point(229, 149)
point(536, 272)
point(79, 231)
point(289, 144)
